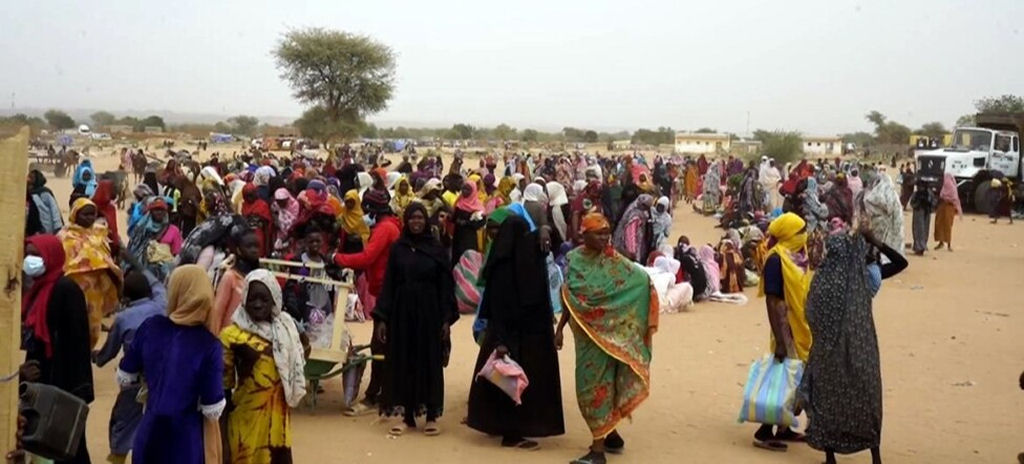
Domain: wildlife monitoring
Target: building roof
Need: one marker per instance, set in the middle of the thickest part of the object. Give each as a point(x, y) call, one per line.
point(699, 136)
point(821, 138)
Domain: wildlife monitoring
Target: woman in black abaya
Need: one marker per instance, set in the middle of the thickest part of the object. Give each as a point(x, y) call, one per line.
point(414, 311)
point(517, 305)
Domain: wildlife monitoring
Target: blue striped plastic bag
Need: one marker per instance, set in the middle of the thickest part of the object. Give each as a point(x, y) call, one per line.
point(770, 393)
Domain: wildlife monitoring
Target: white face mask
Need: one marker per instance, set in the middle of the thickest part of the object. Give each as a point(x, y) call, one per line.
point(33, 266)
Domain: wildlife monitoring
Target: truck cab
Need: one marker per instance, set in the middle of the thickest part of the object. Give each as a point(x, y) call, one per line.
point(974, 156)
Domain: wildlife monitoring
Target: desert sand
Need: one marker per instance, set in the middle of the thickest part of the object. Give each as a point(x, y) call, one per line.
point(949, 329)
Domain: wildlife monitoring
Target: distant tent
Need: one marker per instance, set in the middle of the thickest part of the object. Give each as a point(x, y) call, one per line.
point(65, 139)
point(399, 144)
point(221, 138)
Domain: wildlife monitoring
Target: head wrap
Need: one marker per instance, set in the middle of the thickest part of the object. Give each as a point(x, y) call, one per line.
point(190, 297)
point(594, 221)
point(281, 332)
point(35, 303)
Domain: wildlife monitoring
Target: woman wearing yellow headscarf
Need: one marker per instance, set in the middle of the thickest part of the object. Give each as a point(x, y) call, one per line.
point(351, 219)
point(402, 197)
point(505, 187)
point(90, 263)
point(785, 282)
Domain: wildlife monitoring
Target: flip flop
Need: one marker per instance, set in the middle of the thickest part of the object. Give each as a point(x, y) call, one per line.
point(398, 429)
point(775, 446)
point(358, 410)
point(523, 444)
point(789, 435)
point(431, 430)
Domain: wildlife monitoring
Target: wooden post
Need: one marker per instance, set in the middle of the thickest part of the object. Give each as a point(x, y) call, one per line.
point(13, 169)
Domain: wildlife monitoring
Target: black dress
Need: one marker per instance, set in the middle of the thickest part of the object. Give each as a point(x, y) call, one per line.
point(517, 306)
point(465, 236)
point(417, 298)
point(70, 366)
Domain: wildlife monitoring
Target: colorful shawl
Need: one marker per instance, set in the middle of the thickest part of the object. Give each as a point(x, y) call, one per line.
point(466, 272)
point(86, 249)
point(281, 332)
point(352, 219)
point(790, 244)
point(614, 311)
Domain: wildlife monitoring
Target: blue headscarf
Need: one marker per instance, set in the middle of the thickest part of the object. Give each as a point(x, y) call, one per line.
point(77, 181)
point(520, 211)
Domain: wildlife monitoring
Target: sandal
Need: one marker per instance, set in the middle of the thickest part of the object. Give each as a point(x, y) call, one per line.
point(398, 429)
point(791, 436)
point(771, 445)
point(520, 443)
point(593, 457)
point(614, 443)
point(359, 409)
point(431, 429)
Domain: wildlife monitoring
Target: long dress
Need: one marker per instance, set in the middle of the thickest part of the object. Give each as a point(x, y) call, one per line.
point(944, 217)
point(69, 367)
point(417, 297)
point(517, 306)
point(258, 429)
point(614, 310)
point(923, 202)
point(841, 388)
point(183, 368)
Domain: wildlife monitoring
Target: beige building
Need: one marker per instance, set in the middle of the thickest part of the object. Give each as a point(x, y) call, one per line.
point(691, 142)
point(829, 145)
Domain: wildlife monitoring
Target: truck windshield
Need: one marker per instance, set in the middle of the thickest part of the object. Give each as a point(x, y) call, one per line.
point(972, 140)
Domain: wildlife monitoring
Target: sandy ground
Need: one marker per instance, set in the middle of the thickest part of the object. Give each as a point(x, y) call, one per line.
point(949, 331)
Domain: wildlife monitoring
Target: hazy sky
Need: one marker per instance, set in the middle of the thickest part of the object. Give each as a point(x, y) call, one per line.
point(816, 66)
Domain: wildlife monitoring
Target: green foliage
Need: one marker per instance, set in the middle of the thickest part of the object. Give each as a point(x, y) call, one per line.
point(573, 134)
point(1001, 104)
point(150, 121)
point(370, 131)
point(654, 137)
point(243, 124)
point(893, 133)
point(316, 123)
point(706, 130)
point(345, 76)
point(461, 132)
point(861, 139)
point(530, 135)
point(102, 118)
point(15, 122)
point(590, 136)
point(504, 132)
point(59, 120)
point(888, 132)
point(875, 118)
point(933, 130)
point(784, 147)
point(966, 120)
point(762, 135)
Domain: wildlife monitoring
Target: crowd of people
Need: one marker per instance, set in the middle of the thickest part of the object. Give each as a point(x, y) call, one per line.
point(526, 244)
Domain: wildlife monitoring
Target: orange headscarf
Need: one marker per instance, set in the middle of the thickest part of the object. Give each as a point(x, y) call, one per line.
point(594, 221)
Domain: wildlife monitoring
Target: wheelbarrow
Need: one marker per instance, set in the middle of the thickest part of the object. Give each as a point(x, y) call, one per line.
point(340, 356)
point(321, 369)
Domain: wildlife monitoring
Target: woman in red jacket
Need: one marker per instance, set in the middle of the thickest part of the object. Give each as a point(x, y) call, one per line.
point(374, 260)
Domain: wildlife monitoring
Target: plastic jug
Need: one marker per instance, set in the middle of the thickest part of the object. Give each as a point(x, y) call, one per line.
point(55, 421)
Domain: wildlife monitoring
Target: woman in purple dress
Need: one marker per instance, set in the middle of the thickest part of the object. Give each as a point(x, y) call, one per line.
point(182, 364)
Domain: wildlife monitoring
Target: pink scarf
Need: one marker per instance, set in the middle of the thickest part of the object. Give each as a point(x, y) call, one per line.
point(470, 203)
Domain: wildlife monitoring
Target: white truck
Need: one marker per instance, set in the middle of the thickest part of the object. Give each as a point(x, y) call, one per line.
point(975, 156)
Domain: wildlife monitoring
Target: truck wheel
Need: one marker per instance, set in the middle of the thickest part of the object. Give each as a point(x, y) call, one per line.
point(981, 203)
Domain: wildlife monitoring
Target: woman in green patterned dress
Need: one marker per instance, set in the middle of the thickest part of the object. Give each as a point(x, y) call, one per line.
point(614, 314)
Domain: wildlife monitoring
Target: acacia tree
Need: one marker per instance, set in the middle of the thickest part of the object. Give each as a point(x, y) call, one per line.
point(344, 77)
point(243, 124)
point(1001, 104)
point(59, 120)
